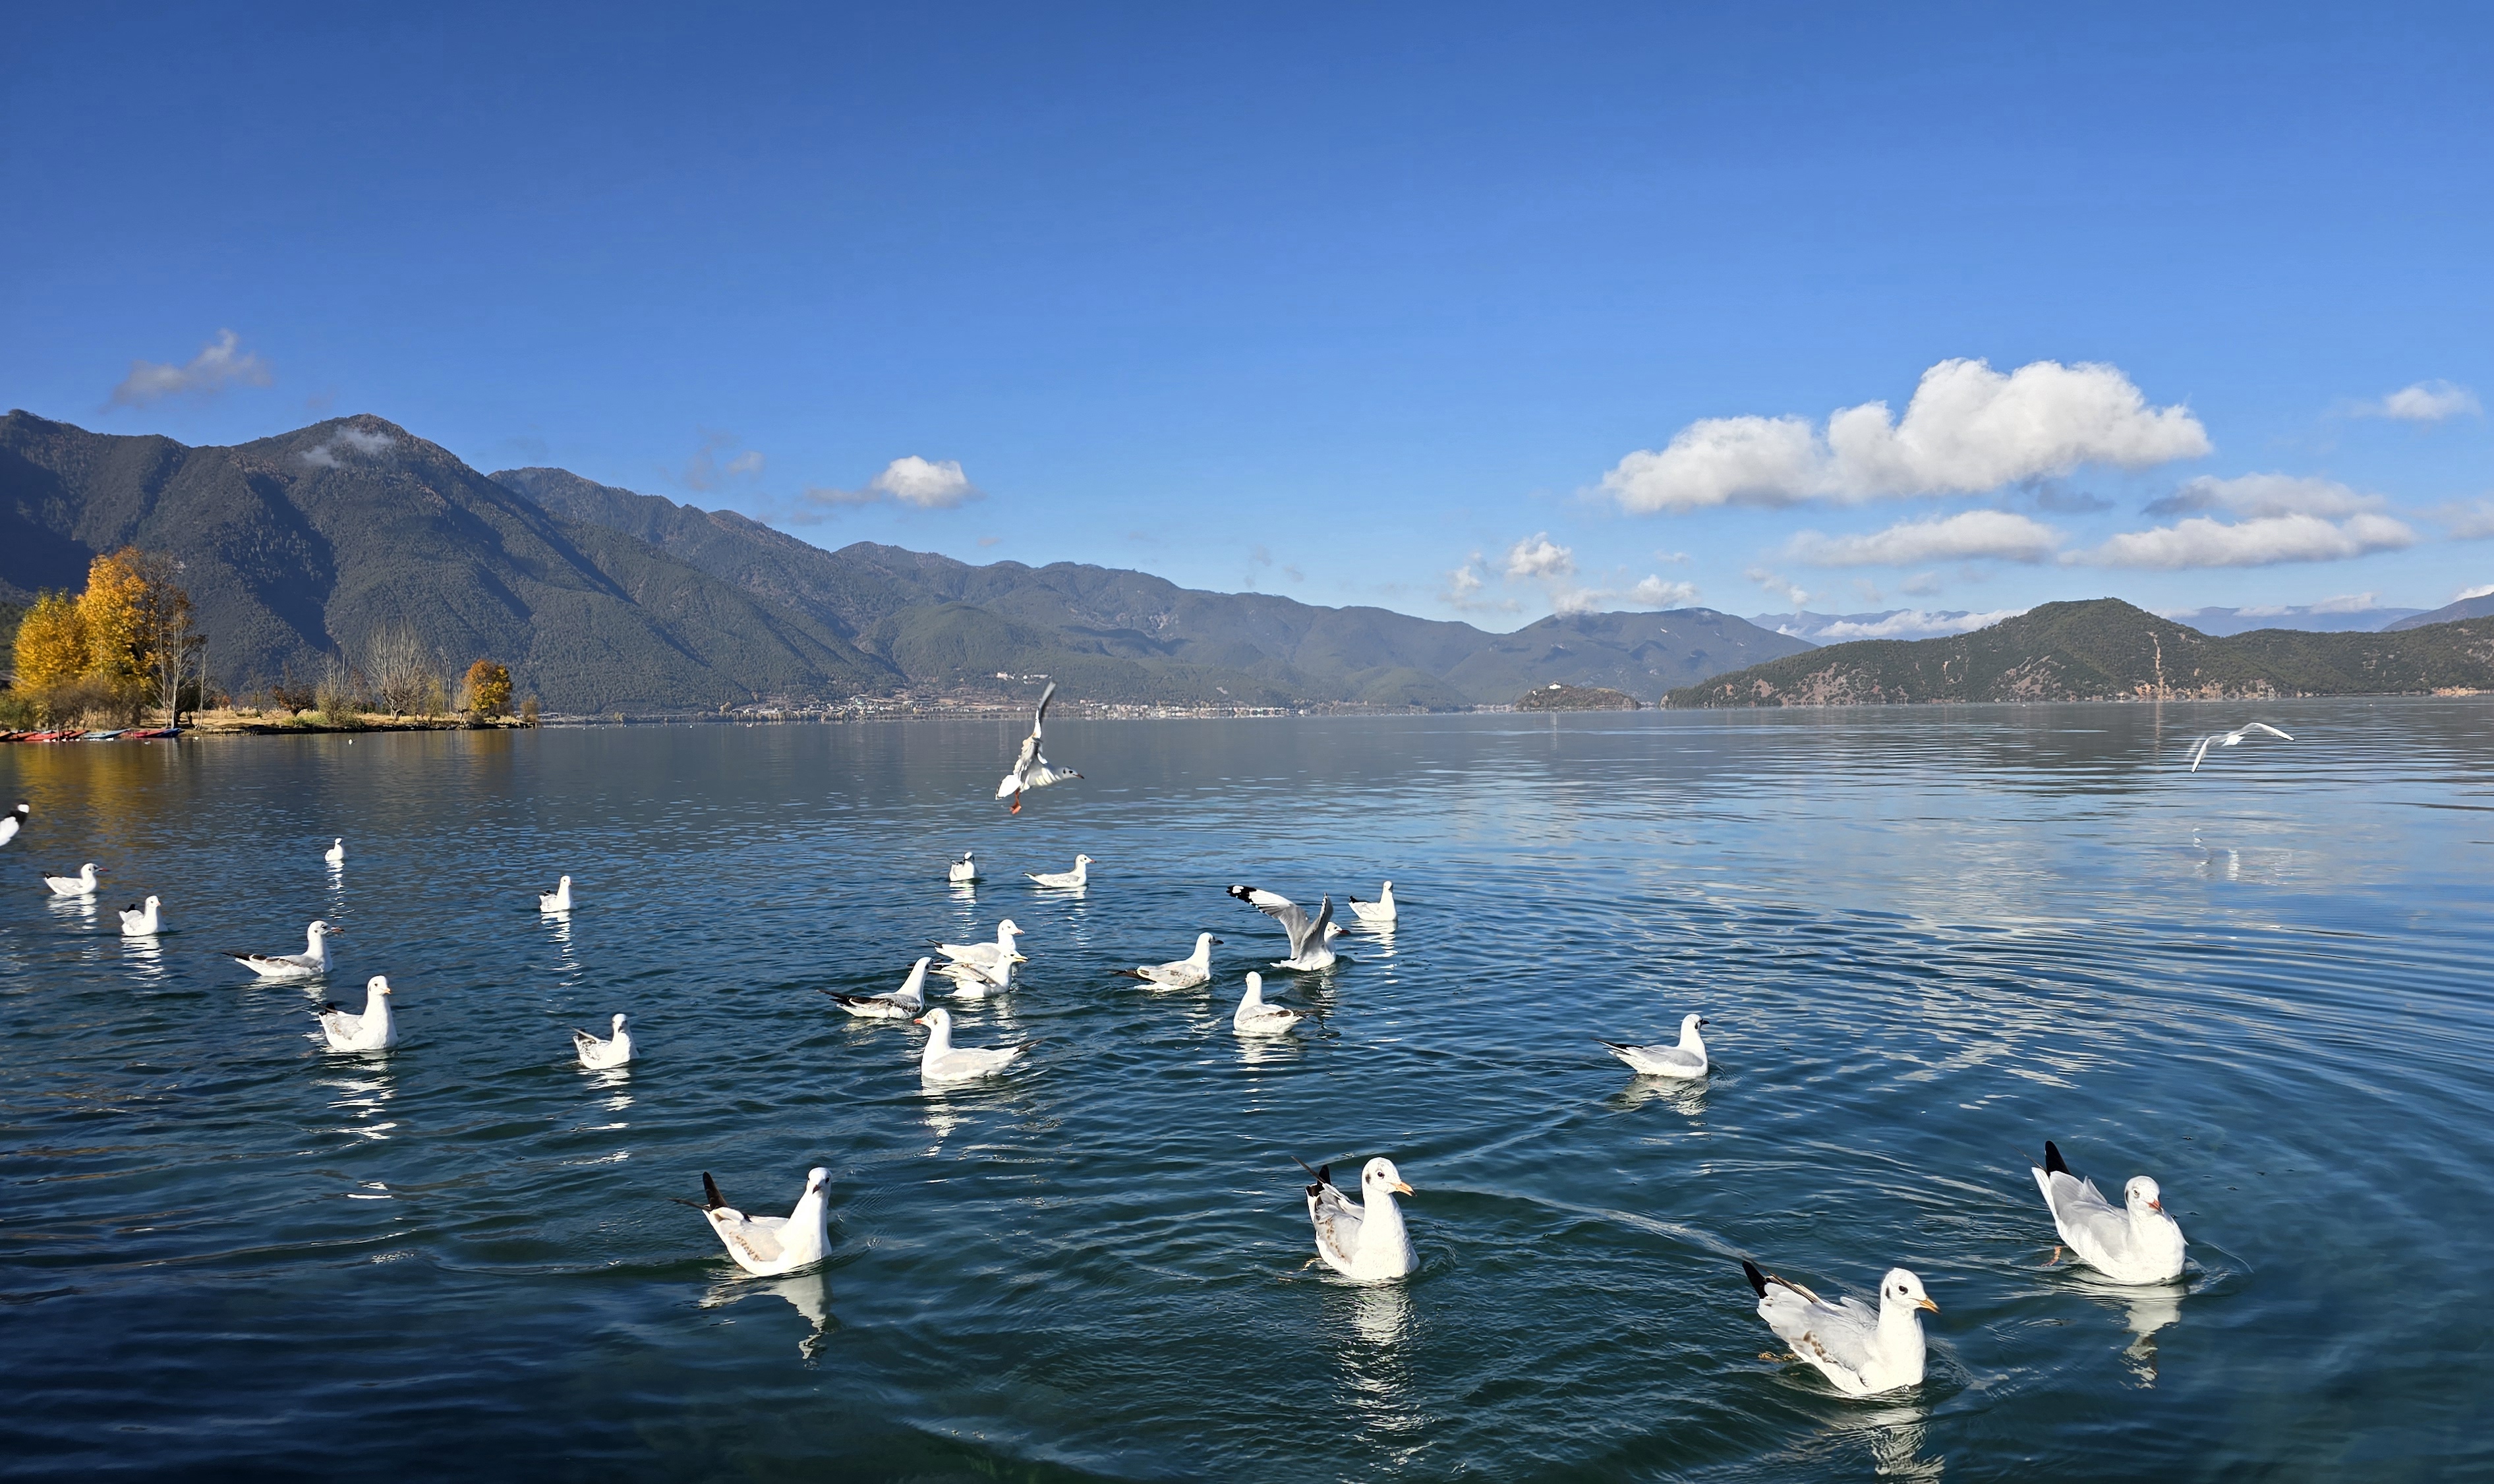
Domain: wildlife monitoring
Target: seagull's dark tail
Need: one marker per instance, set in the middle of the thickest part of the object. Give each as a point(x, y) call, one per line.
point(2053, 1165)
point(1757, 1280)
point(1127, 973)
point(710, 1190)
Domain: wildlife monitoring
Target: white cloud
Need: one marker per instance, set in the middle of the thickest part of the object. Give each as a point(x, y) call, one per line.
point(221, 363)
point(931, 485)
point(2465, 594)
point(2203, 541)
point(1961, 537)
point(1464, 586)
point(749, 462)
point(1778, 586)
point(2425, 402)
point(1653, 593)
point(1910, 623)
point(2267, 494)
point(1968, 429)
point(707, 470)
point(2468, 523)
point(348, 439)
point(1539, 556)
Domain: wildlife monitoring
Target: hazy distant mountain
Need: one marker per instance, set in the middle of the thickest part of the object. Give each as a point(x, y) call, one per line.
point(2316, 620)
point(1888, 623)
point(2479, 607)
point(2106, 650)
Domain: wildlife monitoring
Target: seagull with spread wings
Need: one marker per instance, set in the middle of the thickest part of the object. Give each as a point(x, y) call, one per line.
point(1032, 769)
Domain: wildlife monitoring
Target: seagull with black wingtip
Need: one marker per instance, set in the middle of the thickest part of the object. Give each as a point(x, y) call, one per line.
point(768, 1246)
point(1031, 768)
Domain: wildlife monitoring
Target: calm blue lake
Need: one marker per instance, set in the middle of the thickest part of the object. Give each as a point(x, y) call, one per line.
point(1927, 940)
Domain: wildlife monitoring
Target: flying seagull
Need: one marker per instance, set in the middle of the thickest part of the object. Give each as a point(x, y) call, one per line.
point(2233, 738)
point(1032, 769)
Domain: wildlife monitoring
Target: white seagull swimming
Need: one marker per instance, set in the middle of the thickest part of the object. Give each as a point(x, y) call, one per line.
point(14, 820)
point(977, 981)
point(1380, 911)
point(2233, 738)
point(985, 954)
point(557, 900)
point(944, 1062)
point(1255, 1017)
point(80, 885)
point(1363, 1242)
point(312, 961)
point(1311, 940)
point(964, 869)
point(1065, 881)
point(372, 1031)
point(1861, 1352)
point(2135, 1243)
point(336, 854)
point(901, 1004)
point(143, 921)
point(600, 1054)
point(1031, 769)
point(1187, 973)
point(1685, 1060)
point(768, 1246)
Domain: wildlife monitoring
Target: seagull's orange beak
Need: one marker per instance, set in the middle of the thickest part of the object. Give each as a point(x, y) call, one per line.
point(1924, 1303)
point(1401, 1189)
point(2158, 1206)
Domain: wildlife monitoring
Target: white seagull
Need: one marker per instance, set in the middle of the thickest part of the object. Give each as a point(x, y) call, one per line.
point(600, 1054)
point(1068, 881)
point(1031, 769)
point(768, 1246)
point(1861, 1352)
point(1685, 1060)
point(143, 921)
point(2233, 738)
point(14, 821)
point(312, 961)
point(963, 869)
point(977, 981)
point(80, 885)
point(557, 900)
point(1366, 1242)
point(944, 1062)
point(1311, 940)
point(372, 1031)
point(2134, 1242)
point(1380, 911)
point(336, 854)
point(1187, 973)
point(901, 1004)
point(985, 954)
point(1255, 1017)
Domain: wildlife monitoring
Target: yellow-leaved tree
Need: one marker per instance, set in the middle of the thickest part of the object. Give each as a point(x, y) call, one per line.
point(51, 645)
point(489, 689)
point(122, 642)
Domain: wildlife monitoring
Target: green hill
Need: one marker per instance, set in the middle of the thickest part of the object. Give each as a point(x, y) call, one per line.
point(2104, 650)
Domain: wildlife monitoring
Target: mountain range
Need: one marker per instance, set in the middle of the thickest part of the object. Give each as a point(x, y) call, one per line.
point(299, 549)
point(2106, 649)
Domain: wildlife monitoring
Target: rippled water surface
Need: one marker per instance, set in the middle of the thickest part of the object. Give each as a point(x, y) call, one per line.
point(1927, 940)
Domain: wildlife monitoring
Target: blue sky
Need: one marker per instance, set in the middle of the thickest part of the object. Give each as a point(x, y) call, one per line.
point(1336, 302)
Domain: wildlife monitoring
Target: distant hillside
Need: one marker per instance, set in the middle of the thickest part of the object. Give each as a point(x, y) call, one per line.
point(2106, 650)
point(1577, 698)
point(2465, 608)
point(1114, 634)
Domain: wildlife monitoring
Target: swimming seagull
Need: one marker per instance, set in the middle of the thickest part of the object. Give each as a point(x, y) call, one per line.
point(1072, 880)
point(138, 921)
point(80, 885)
point(1187, 973)
point(1255, 1017)
point(372, 1031)
point(768, 1246)
point(2136, 1244)
point(1032, 769)
point(984, 954)
point(944, 1062)
point(14, 821)
point(1365, 1243)
point(963, 869)
point(600, 1054)
point(2233, 738)
point(1310, 945)
point(1685, 1060)
point(901, 1004)
point(977, 981)
point(312, 961)
point(1380, 910)
point(336, 854)
point(1861, 1352)
point(557, 900)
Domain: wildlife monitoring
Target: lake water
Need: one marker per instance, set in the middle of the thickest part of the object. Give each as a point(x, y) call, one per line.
point(1927, 940)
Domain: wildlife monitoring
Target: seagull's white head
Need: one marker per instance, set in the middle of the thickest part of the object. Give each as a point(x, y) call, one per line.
point(1688, 1025)
point(939, 1020)
point(968, 854)
point(1379, 1177)
point(815, 1179)
point(1255, 987)
point(2141, 1194)
point(153, 903)
point(378, 984)
point(1903, 1288)
point(618, 1023)
point(1007, 929)
point(320, 928)
point(1081, 860)
point(564, 882)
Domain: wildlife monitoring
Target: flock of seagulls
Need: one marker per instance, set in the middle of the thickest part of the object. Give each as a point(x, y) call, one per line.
point(1860, 1349)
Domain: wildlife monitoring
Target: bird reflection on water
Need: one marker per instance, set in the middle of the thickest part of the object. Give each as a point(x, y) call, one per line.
point(809, 1294)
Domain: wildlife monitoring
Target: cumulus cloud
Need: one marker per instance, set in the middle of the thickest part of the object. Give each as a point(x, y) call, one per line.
point(1539, 556)
point(1967, 430)
point(1464, 590)
point(1653, 593)
point(2465, 594)
point(2204, 541)
point(2267, 494)
point(221, 363)
point(2425, 402)
point(1910, 623)
point(1961, 537)
point(350, 439)
point(1778, 586)
point(1545, 563)
point(929, 485)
